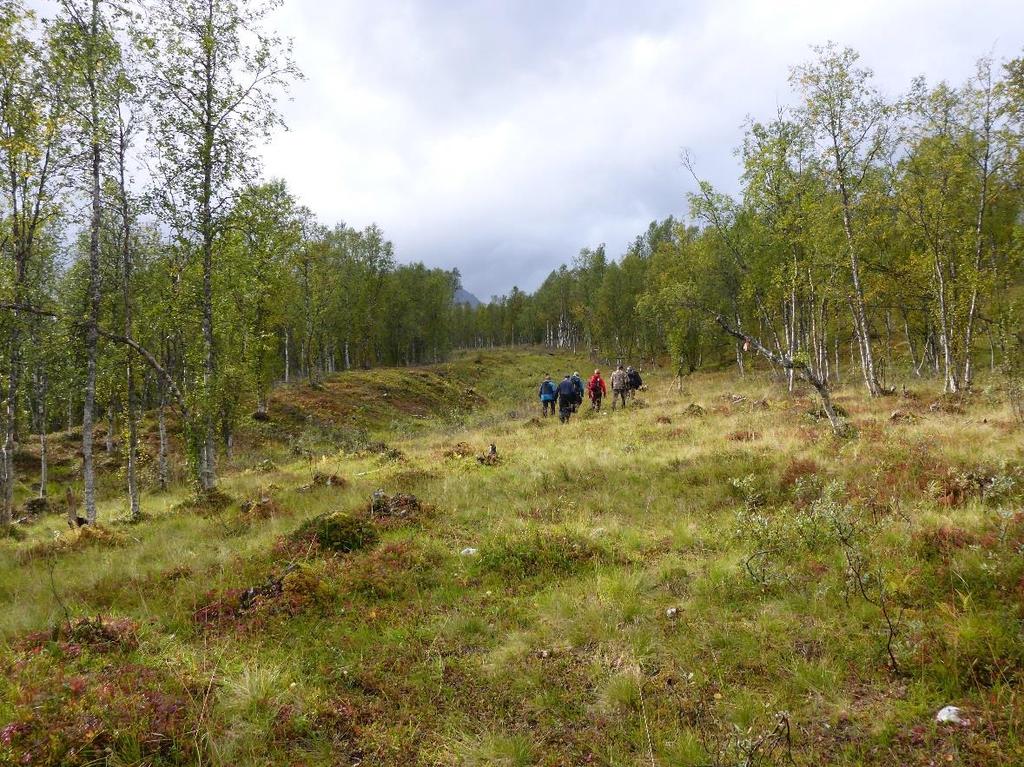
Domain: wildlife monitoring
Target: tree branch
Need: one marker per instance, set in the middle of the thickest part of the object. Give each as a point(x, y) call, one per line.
point(131, 343)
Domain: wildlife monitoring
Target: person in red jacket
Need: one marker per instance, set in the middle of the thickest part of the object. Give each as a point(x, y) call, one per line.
point(596, 390)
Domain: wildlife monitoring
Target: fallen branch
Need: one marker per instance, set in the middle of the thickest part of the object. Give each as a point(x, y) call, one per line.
point(51, 564)
point(859, 572)
point(647, 726)
point(128, 341)
point(371, 471)
point(787, 363)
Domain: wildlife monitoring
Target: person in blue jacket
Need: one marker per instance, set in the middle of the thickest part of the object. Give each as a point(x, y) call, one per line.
point(548, 394)
point(578, 383)
point(566, 398)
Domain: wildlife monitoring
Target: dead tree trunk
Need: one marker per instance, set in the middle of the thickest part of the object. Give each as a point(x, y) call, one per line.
point(786, 363)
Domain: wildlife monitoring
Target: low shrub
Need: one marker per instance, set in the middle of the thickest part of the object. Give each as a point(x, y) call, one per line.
point(752, 490)
point(384, 450)
point(105, 634)
point(950, 404)
point(13, 532)
point(337, 532)
point(35, 507)
point(940, 542)
point(333, 720)
point(744, 435)
point(262, 506)
point(781, 538)
point(391, 572)
point(296, 589)
point(397, 505)
point(206, 502)
point(972, 649)
point(819, 414)
point(458, 450)
point(85, 537)
point(796, 470)
point(117, 713)
point(391, 511)
point(325, 479)
point(98, 634)
point(994, 485)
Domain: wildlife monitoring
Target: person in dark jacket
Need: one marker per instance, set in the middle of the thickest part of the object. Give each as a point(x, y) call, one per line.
point(566, 398)
point(578, 383)
point(634, 380)
point(548, 394)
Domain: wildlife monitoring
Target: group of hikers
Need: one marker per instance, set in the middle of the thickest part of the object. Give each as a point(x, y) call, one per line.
point(568, 395)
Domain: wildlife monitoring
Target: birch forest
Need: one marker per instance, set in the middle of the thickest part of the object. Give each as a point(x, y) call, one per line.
point(149, 267)
point(873, 238)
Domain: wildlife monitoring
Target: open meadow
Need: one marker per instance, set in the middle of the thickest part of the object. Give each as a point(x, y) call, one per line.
point(708, 578)
point(276, 486)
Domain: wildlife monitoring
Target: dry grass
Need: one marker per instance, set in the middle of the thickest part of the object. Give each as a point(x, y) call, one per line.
point(655, 584)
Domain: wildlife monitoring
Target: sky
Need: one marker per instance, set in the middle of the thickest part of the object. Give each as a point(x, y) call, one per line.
point(500, 137)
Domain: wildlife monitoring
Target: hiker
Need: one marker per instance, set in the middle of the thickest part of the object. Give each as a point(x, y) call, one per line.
point(634, 381)
point(596, 390)
point(548, 394)
point(620, 386)
point(578, 383)
point(566, 398)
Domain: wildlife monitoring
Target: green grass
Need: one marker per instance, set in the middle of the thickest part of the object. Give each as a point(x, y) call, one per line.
point(630, 587)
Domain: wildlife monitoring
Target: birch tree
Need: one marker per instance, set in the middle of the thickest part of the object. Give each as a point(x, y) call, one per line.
point(850, 125)
point(265, 230)
point(127, 124)
point(33, 106)
point(215, 73)
point(89, 54)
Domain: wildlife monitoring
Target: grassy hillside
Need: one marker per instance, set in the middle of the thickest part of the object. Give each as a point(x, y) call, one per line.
point(709, 578)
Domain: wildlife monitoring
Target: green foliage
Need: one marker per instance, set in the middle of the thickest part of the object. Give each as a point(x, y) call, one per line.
point(856, 213)
point(337, 532)
point(780, 537)
point(610, 592)
point(636, 591)
point(551, 552)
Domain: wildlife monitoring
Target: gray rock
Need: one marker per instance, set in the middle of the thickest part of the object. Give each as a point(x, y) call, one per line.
point(952, 715)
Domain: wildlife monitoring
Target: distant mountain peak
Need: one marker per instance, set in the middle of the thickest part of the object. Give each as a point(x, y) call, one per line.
point(465, 297)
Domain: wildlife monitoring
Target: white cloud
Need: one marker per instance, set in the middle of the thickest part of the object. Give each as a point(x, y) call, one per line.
point(500, 137)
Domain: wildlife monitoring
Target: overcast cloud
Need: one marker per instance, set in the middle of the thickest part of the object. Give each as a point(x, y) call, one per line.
point(501, 137)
